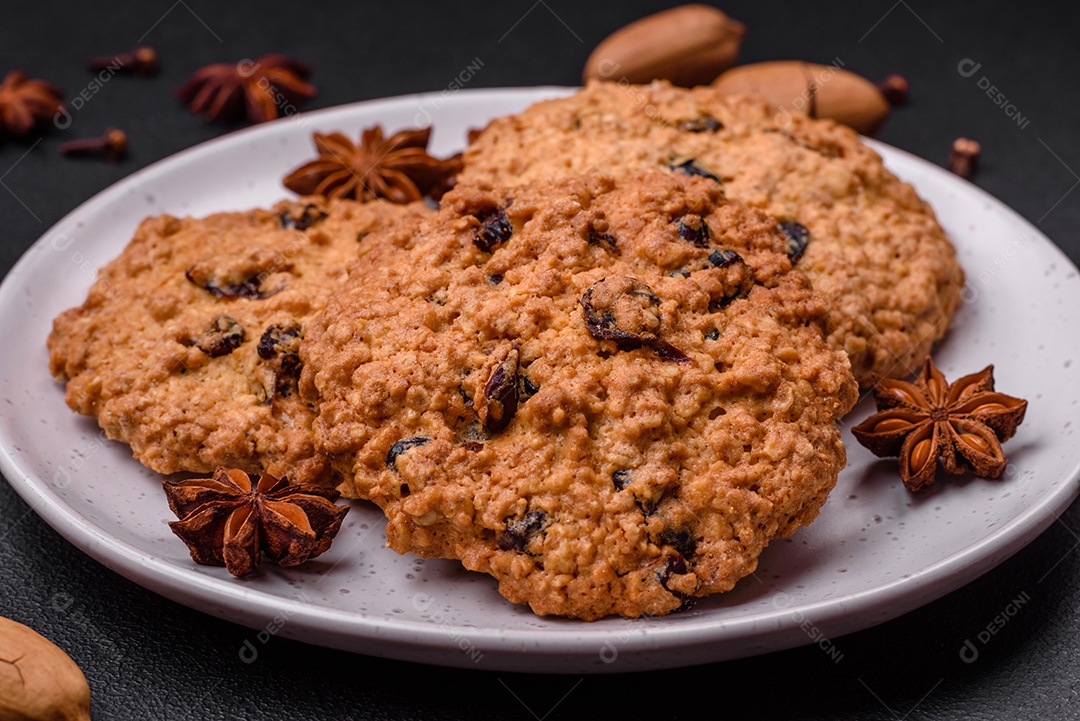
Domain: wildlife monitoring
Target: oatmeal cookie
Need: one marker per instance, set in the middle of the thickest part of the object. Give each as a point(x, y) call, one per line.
point(187, 345)
point(609, 395)
point(872, 246)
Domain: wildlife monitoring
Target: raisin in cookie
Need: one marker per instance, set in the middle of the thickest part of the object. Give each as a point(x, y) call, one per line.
point(866, 240)
point(187, 345)
point(610, 395)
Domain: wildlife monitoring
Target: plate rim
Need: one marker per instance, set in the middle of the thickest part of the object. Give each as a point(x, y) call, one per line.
point(191, 588)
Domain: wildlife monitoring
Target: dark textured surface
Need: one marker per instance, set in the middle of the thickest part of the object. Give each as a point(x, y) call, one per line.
point(149, 658)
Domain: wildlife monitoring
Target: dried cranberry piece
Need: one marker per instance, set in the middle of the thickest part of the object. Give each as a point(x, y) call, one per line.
point(606, 240)
point(719, 304)
point(691, 167)
point(494, 230)
point(682, 540)
point(694, 229)
point(625, 310)
point(798, 237)
point(288, 374)
point(250, 288)
point(223, 336)
point(621, 309)
point(528, 389)
point(674, 564)
point(400, 447)
point(278, 336)
point(501, 394)
point(669, 352)
point(701, 124)
point(281, 342)
point(721, 258)
point(307, 217)
point(520, 531)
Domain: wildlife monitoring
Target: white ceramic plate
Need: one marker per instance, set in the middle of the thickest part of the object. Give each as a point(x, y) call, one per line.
point(875, 552)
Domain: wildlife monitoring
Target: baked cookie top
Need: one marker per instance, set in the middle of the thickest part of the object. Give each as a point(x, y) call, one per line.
point(610, 395)
point(186, 346)
point(873, 247)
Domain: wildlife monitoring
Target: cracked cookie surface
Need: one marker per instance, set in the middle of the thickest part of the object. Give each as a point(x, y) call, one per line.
point(186, 347)
point(609, 395)
point(874, 248)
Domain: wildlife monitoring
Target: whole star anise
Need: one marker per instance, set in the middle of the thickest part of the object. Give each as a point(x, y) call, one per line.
point(928, 421)
point(26, 102)
point(225, 520)
point(260, 90)
point(397, 168)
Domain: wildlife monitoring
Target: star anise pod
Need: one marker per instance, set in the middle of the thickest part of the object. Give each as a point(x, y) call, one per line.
point(26, 102)
point(397, 168)
point(260, 90)
point(928, 421)
point(225, 520)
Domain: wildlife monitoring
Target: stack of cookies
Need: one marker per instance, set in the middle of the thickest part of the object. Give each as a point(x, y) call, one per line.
point(607, 370)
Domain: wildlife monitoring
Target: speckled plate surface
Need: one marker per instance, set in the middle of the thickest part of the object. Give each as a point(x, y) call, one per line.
point(874, 553)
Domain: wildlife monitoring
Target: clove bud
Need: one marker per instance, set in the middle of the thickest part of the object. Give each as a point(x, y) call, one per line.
point(964, 157)
point(141, 61)
point(112, 146)
point(895, 88)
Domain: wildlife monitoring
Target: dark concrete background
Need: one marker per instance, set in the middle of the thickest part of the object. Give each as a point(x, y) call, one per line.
point(149, 658)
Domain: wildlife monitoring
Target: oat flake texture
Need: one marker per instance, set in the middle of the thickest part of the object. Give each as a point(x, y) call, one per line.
point(186, 347)
point(620, 465)
point(876, 251)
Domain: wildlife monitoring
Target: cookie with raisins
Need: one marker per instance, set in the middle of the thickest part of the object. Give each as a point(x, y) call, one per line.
point(867, 241)
point(187, 345)
point(609, 395)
